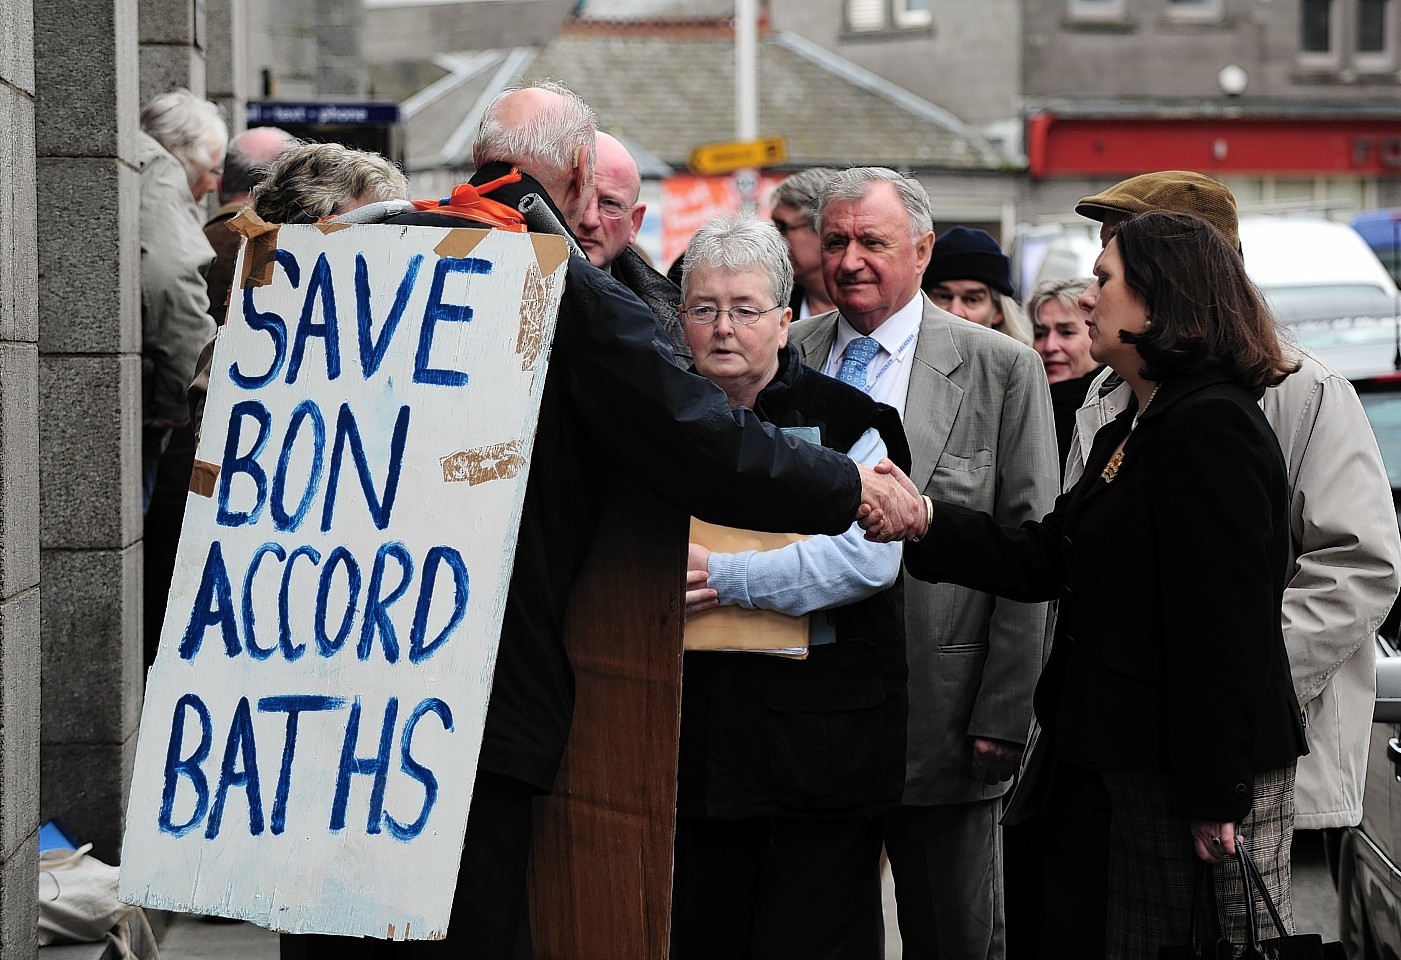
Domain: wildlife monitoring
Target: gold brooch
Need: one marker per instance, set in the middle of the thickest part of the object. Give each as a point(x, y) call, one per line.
point(1111, 469)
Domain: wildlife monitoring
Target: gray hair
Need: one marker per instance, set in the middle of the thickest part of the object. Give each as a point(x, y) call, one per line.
point(802, 190)
point(317, 180)
point(191, 130)
point(547, 142)
point(1014, 322)
point(1065, 292)
point(854, 184)
point(739, 243)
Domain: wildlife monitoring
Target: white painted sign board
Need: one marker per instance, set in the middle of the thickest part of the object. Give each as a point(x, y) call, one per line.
point(312, 721)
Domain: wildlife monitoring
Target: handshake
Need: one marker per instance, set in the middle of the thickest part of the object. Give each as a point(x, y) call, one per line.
point(892, 507)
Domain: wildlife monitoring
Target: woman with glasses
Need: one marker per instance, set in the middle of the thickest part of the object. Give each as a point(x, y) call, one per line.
point(786, 765)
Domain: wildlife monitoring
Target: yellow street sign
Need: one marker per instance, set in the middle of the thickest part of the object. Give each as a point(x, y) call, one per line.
point(712, 159)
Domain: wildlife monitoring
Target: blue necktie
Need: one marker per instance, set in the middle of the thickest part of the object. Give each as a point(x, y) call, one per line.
point(856, 359)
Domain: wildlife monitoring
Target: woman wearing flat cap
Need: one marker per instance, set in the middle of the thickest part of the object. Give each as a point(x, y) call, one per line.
point(1169, 722)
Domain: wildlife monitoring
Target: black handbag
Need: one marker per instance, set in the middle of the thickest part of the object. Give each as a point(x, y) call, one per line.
point(1285, 946)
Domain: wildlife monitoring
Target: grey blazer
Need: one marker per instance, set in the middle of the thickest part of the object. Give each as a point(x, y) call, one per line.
point(978, 417)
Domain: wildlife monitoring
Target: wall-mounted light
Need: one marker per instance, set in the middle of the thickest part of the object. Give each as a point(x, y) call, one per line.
point(1232, 80)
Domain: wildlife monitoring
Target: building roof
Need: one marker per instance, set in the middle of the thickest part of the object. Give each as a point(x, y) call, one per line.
point(667, 91)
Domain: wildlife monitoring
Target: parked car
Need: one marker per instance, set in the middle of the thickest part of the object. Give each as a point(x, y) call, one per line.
point(1369, 880)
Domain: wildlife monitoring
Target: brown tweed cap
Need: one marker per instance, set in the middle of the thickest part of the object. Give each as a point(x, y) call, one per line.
point(1174, 191)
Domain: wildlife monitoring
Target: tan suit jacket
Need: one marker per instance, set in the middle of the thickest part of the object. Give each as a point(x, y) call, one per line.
point(978, 418)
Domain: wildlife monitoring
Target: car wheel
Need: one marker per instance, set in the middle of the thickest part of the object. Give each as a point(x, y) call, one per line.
point(1353, 928)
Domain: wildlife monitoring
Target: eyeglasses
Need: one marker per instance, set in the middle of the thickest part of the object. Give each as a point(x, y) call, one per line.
point(786, 228)
point(742, 314)
point(613, 210)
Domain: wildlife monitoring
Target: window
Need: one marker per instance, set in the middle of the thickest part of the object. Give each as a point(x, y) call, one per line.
point(912, 13)
point(863, 15)
point(1375, 28)
point(1353, 34)
point(1096, 9)
point(1194, 9)
point(1316, 26)
point(871, 16)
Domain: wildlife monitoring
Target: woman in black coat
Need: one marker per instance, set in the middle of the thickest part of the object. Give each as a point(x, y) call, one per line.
point(1169, 722)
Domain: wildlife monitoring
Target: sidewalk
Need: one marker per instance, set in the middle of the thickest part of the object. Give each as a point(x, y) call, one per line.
point(194, 938)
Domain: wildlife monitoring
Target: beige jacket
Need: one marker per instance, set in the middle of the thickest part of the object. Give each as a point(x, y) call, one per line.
point(175, 321)
point(1347, 568)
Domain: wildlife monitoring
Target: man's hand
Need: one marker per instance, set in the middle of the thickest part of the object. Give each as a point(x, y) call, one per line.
point(699, 596)
point(995, 760)
point(891, 507)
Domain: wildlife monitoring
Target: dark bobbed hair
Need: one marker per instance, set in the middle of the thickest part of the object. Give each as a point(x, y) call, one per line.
point(1203, 309)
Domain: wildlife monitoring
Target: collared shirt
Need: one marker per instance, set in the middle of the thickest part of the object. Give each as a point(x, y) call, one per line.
point(888, 376)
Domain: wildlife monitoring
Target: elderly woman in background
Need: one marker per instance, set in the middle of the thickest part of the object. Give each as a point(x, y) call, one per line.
point(1060, 334)
point(786, 765)
point(1170, 726)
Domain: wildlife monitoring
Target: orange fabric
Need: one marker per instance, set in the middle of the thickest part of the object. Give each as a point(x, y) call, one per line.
point(471, 203)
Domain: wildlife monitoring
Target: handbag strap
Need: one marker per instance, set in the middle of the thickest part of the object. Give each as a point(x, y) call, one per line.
point(1251, 874)
point(52, 860)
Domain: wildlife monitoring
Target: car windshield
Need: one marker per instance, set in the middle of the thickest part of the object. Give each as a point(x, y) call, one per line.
point(1294, 303)
point(1384, 411)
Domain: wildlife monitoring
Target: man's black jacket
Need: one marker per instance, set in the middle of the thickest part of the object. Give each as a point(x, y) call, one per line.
point(615, 402)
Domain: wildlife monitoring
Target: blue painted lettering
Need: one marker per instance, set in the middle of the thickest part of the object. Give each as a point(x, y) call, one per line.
point(188, 767)
point(438, 311)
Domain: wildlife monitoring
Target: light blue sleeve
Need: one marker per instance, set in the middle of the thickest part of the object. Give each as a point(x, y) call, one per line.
point(812, 574)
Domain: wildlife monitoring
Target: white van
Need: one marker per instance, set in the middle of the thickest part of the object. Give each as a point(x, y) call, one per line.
point(1322, 280)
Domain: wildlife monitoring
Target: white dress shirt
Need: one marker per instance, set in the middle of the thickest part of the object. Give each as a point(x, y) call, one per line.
point(888, 376)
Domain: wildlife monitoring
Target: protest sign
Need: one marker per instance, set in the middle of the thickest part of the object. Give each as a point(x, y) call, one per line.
point(312, 721)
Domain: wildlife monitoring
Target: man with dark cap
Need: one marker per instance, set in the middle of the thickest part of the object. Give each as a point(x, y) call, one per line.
point(1343, 538)
point(970, 277)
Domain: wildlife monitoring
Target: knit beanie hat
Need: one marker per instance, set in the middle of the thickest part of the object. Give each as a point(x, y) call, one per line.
point(1170, 191)
point(967, 253)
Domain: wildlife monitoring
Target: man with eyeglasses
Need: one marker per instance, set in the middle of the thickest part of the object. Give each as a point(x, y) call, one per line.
point(612, 219)
point(977, 412)
point(794, 214)
point(608, 228)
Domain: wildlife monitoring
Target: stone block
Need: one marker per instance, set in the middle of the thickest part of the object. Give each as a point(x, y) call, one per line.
point(19, 720)
point(90, 451)
point(226, 55)
point(19, 468)
point(86, 786)
point(90, 256)
point(19, 312)
point(92, 678)
point(18, 904)
point(167, 21)
point(166, 66)
point(17, 44)
point(87, 105)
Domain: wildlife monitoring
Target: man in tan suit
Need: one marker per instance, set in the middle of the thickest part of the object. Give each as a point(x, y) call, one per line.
point(978, 416)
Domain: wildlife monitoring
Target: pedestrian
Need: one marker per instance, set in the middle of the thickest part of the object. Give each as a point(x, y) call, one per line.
point(970, 277)
point(786, 765)
point(978, 416)
point(1060, 335)
point(1169, 725)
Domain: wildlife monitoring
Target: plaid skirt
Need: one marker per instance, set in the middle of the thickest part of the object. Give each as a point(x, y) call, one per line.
point(1153, 868)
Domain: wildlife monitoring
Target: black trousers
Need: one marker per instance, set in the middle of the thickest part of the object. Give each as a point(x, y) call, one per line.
point(772, 887)
point(490, 917)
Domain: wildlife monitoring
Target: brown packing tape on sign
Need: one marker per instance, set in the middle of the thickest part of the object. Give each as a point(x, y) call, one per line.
point(259, 247)
point(460, 242)
point(203, 478)
point(550, 252)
